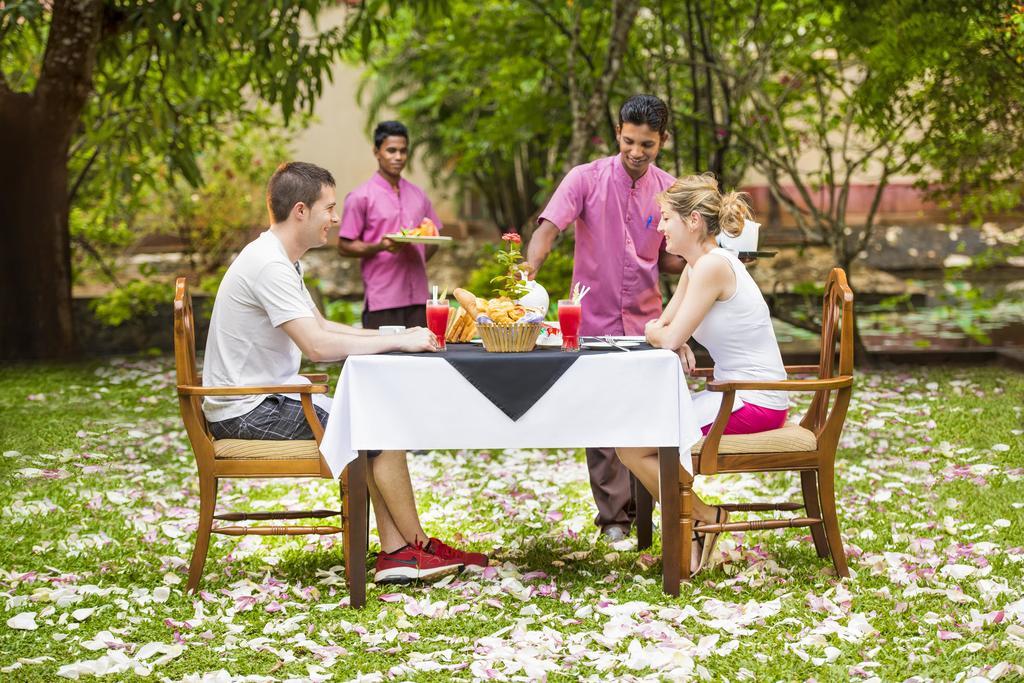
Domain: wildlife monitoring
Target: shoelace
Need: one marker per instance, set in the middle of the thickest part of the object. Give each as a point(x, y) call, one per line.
point(443, 551)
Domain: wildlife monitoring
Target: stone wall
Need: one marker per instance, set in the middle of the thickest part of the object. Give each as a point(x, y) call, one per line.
point(340, 279)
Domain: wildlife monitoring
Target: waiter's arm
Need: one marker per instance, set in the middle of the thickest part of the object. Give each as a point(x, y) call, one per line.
point(541, 242)
point(359, 249)
point(670, 263)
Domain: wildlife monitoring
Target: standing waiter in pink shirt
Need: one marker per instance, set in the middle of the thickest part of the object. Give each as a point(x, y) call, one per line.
point(619, 253)
point(394, 275)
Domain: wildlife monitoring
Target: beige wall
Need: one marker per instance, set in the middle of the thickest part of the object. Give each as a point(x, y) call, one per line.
point(339, 141)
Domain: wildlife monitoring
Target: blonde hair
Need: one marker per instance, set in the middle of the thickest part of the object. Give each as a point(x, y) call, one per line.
point(721, 212)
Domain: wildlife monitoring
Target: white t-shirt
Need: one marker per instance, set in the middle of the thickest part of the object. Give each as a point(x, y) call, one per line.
point(246, 346)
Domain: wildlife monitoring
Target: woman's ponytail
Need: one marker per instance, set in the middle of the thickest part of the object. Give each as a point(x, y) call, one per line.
point(733, 210)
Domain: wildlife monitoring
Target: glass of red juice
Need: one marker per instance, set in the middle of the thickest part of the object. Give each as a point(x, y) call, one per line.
point(569, 315)
point(437, 319)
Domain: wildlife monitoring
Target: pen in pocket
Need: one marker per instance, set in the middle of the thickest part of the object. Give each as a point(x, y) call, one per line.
point(649, 219)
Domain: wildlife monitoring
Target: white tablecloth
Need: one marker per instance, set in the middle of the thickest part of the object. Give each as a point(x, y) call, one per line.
point(394, 402)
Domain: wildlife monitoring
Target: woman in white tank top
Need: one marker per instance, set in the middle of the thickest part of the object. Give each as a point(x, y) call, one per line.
point(718, 304)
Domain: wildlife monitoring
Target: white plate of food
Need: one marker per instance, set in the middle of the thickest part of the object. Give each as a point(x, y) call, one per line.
point(549, 340)
point(597, 344)
point(419, 239)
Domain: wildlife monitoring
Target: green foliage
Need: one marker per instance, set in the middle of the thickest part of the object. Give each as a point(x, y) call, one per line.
point(180, 96)
point(220, 216)
point(137, 297)
point(508, 282)
point(342, 311)
point(494, 122)
point(211, 222)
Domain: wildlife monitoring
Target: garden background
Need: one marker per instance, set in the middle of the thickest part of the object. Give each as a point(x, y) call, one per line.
point(884, 137)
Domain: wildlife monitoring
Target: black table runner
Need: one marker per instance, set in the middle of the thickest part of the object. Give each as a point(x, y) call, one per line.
point(514, 382)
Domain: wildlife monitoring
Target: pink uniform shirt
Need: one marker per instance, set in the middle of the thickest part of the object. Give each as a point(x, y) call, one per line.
point(617, 242)
point(375, 209)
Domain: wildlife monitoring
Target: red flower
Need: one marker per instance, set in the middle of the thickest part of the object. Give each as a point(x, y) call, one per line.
point(512, 237)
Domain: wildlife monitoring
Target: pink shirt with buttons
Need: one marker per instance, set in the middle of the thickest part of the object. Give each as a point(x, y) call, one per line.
point(375, 209)
point(617, 242)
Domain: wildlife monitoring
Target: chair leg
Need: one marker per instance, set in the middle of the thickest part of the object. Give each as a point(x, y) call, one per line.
point(671, 553)
point(686, 524)
point(355, 531)
point(809, 484)
point(827, 492)
point(644, 512)
point(207, 503)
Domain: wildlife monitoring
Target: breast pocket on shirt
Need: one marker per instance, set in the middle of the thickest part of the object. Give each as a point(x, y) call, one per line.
point(648, 243)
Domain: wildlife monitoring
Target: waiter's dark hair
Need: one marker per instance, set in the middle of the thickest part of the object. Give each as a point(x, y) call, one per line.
point(386, 129)
point(645, 109)
point(295, 182)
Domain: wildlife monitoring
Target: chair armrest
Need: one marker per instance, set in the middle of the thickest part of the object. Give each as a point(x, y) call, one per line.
point(784, 385)
point(708, 373)
point(320, 378)
point(187, 390)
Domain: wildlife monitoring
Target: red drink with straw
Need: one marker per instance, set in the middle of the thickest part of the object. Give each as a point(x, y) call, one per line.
point(570, 313)
point(437, 319)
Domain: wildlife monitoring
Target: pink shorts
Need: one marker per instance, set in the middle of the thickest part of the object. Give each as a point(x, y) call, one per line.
point(751, 419)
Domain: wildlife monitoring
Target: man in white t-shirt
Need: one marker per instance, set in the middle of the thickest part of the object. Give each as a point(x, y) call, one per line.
point(264, 321)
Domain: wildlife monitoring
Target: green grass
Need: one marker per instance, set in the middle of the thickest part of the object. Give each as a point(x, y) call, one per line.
point(98, 503)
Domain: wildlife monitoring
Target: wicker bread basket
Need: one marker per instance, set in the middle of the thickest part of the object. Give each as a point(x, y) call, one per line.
point(517, 338)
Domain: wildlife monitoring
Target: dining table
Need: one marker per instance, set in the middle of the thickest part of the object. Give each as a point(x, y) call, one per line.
point(466, 399)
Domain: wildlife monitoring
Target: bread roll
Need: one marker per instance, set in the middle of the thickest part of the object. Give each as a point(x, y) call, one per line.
point(467, 300)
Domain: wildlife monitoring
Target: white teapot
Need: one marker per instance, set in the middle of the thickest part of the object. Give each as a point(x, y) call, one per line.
point(535, 297)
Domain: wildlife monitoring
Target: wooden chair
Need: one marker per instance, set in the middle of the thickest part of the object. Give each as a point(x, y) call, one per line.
point(809, 449)
point(219, 459)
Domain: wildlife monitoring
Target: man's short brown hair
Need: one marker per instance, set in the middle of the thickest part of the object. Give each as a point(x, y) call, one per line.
point(292, 183)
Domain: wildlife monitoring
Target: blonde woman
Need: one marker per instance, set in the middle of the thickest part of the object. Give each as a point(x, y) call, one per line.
point(718, 304)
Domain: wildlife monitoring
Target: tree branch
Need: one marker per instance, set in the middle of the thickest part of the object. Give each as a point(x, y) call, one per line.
point(77, 184)
point(542, 7)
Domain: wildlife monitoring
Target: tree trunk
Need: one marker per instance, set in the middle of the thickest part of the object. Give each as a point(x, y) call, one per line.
point(35, 133)
point(35, 268)
point(862, 357)
point(587, 115)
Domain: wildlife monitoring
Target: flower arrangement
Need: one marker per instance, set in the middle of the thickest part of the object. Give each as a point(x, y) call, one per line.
point(512, 283)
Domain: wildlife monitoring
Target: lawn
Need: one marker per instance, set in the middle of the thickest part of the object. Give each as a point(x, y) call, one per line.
point(98, 503)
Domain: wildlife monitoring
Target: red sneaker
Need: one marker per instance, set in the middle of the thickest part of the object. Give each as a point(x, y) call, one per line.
point(442, 549)
point(413, 563)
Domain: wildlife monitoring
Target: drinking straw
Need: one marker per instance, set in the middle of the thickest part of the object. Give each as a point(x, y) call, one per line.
point(435, 292)
point(579, 290)
point(444, 294)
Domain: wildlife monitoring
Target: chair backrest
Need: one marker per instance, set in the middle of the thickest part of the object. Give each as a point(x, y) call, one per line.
point(836, 356)
point(185, 362)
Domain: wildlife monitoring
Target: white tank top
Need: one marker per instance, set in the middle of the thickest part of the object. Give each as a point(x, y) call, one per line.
point(738, 334)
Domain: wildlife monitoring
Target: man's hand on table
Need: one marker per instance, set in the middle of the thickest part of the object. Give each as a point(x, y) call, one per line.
point(418, 339)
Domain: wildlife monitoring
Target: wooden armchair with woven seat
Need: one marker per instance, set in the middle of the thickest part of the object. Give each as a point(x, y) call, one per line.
point(218, 459)
point(808, 448)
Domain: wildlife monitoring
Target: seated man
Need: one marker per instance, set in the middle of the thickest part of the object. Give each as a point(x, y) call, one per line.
point(264, 321)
